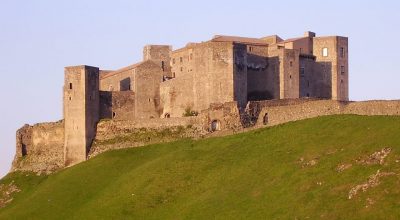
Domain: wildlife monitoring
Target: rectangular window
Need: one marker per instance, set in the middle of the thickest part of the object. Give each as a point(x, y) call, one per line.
point(181, 59)
point(342, 70)
point(70, 85)
point(291, 63)
point(342, 52)
point(191, 56)
point(324, 52)
point(302, 71)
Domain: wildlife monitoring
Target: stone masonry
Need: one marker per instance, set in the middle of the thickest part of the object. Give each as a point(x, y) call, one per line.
point(225, 83)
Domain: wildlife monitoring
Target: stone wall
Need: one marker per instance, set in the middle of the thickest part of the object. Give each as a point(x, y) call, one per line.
point(39, 148)
point(117, 105)
point(117, 134)
point(270, 116)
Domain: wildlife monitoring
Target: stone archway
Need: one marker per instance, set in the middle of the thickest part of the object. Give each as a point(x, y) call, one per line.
point(215, 125)
point(265, 119)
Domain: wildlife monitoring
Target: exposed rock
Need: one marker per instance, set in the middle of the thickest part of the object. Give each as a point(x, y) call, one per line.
point(375, 158)
point(373, 181)
point(309, 163)
point(6, 193)
point(342, 167)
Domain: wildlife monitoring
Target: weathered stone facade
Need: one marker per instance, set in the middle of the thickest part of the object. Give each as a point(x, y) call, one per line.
point(222, 83)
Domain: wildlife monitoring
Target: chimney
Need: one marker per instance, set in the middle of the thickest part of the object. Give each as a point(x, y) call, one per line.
point(309, 34)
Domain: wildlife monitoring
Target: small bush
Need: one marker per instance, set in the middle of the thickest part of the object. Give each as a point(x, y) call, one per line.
point(189, 112)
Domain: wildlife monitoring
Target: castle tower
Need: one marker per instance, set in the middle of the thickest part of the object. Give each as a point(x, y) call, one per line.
point(81, 111)
point(159, 54)
point(332, 63)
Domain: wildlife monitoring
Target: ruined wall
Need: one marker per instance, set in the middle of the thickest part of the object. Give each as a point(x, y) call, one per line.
point(281, 114)
point(117, 134)
point(39, 148)
point(221, 116)
point(117, 105)
point(81, 111)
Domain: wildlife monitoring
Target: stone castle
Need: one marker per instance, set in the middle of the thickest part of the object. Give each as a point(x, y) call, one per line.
point(225, 83)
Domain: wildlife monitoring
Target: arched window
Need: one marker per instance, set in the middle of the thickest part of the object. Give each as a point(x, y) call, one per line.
point(167, 115)
point(215, 125)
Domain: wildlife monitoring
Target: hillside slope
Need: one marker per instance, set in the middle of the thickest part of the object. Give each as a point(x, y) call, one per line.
point(299, 170)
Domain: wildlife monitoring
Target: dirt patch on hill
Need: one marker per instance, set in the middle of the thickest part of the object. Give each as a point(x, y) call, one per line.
point(373, 181)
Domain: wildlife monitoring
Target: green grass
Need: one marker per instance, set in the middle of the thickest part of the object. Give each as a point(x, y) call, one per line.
point(253, 175)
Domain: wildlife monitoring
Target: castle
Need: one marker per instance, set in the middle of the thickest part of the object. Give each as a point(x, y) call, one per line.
point(169, 83)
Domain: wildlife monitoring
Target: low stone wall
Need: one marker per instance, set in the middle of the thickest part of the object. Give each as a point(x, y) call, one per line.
point(117, 134)
point(270, 116)
point(39, 148)
point(221, 116)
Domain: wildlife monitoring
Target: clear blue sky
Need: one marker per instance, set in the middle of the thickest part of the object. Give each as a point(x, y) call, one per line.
point(38, 38)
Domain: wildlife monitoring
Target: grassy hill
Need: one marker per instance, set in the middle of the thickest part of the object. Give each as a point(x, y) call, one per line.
point(299, 170)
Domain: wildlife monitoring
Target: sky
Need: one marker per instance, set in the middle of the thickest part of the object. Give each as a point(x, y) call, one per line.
point(39, 38)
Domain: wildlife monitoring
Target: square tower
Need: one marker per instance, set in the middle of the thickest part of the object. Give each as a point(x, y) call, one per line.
point(331, 55)
point(81, 111)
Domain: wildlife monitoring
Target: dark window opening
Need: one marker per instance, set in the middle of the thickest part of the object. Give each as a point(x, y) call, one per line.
point(308, 94)
point(181, 69)
point(342, 52)
point(291, 63)
point(342, 70)
point(113, 115)
point(265, 119)
point(69, 98)
point(149, 100)
point(290, 76)
point(191, 56)
point(173, 74)
point(215, 125)
point(162, 65)
point(250, 49)
point(70, 85)
point(302, 71)
point(24, 151)
point(341, 81)
point(167, 115)
point(180, 59)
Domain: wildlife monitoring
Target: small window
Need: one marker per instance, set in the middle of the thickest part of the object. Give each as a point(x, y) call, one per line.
point(173, 74)
point(291, 63)
point(113, 114)
point(342, 52)
point(308, 84)
point(70, 85)
point(162, 65)
point(250, 49)
point(181, 59)
point(342, 70)
point(324, 52)
point(70, 98)
point(302, 71)
point(181, 69)
point(149, 100)
point(341, 81)
point(167, 115)
point(308, 95)
point(191, 56)
point(290, 76)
